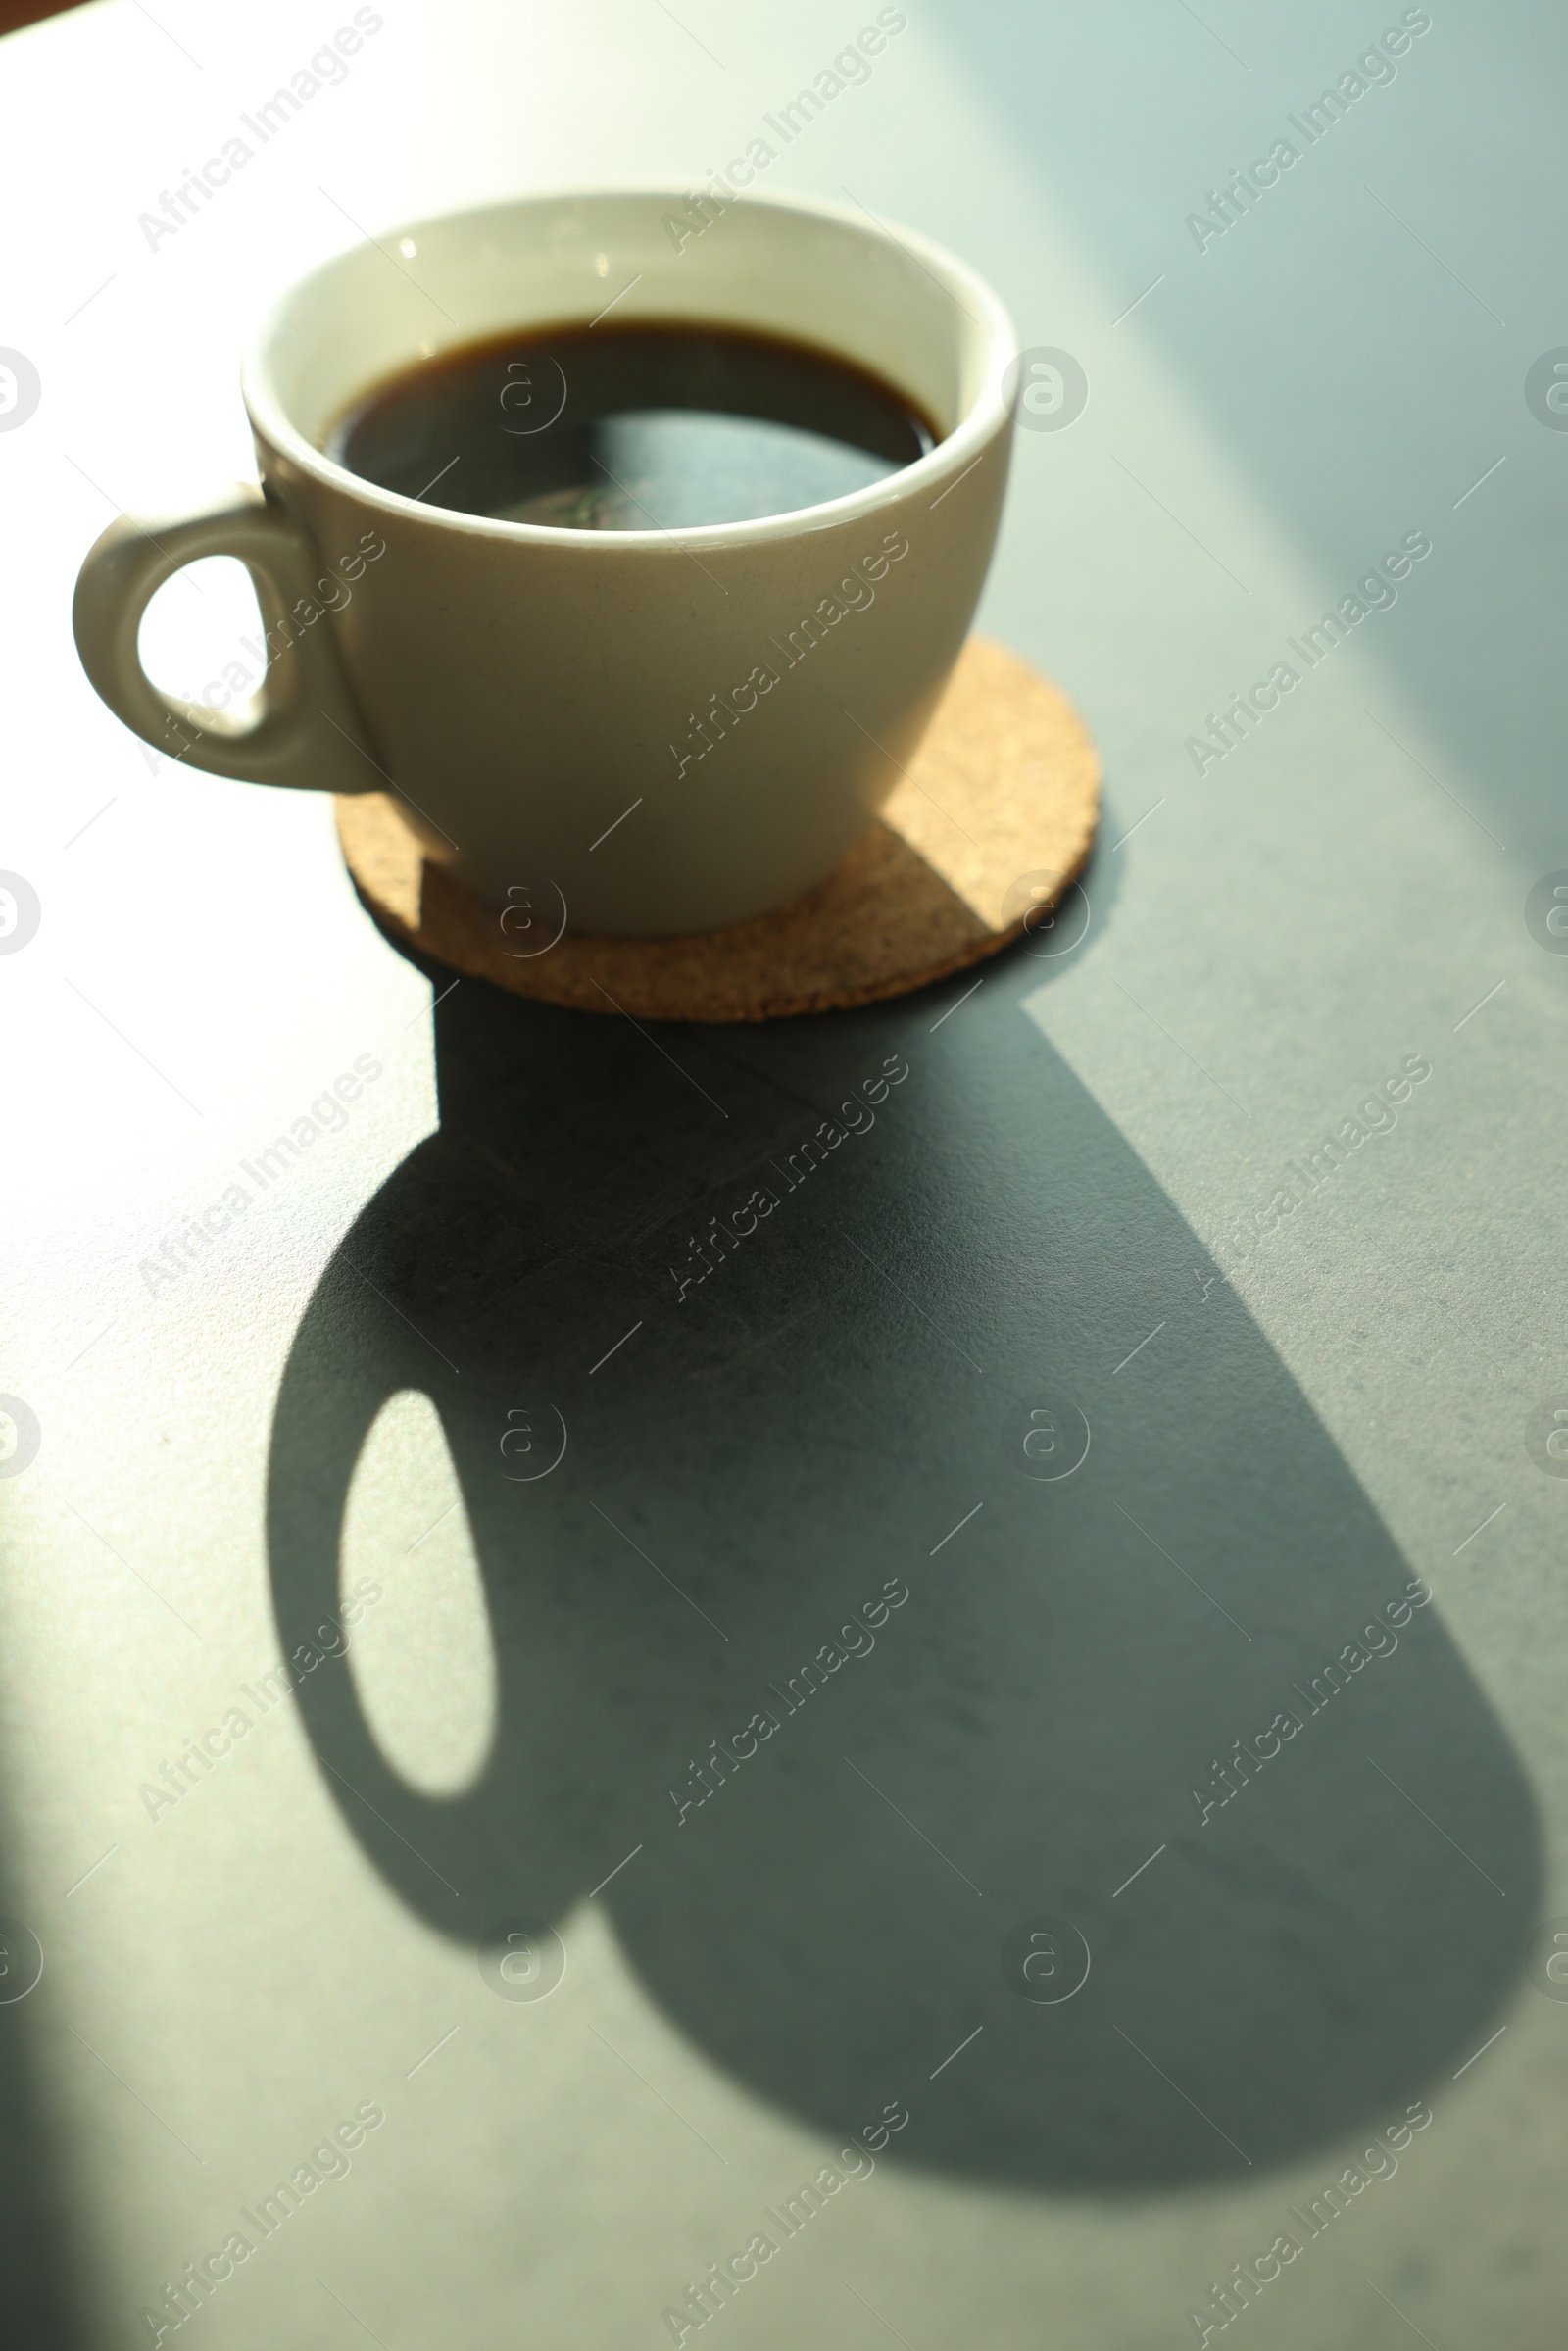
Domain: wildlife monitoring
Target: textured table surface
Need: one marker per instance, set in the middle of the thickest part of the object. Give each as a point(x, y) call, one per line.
point(305, 1399)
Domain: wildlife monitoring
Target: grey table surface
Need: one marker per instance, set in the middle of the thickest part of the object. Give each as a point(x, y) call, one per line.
point(1311, 1379)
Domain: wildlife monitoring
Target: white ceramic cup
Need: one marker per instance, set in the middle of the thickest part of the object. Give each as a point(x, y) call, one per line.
point(674, 729)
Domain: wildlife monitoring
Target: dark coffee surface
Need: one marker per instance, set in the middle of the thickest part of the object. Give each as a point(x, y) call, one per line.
point(634, 427)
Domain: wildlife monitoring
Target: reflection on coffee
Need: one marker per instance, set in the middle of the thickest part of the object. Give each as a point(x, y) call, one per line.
point(664, 426)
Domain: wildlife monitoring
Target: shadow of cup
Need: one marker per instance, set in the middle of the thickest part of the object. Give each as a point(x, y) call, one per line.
point(1061, 1755)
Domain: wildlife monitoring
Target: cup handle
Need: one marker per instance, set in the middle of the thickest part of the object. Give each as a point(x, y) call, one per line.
point(307, 730)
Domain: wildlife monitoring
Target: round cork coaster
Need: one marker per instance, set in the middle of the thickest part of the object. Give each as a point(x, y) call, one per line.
point(991, 822)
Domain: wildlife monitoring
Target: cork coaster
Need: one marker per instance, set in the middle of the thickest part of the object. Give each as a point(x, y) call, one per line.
point(993, 820)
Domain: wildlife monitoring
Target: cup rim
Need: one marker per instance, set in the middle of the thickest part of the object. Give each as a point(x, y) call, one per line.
point(960, 450)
